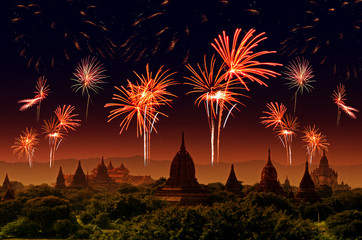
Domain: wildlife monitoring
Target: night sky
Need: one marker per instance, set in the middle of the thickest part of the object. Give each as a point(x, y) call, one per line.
point(134, 30)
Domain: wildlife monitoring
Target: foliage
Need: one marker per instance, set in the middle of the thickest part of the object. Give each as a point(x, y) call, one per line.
point(346, 225)
point(324, 191)
point(9, 211)
point(39, 191)
point(313, 211)
point(21, 228)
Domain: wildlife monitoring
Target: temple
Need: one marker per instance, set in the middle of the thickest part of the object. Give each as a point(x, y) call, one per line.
point(182, 186)
point(325, 175)
point(269, 179)
point(79, 179)
point(60, 184)
point(100, 178)
point(306, 191)
point(232, 183)
point(9, 195)
point(6, 183)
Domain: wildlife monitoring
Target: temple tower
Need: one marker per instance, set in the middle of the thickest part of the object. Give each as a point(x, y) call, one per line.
point(79, 178)
point(102, 178)
point(232, 184)
point(60, 184)
point(6, 183)
point(306, 191)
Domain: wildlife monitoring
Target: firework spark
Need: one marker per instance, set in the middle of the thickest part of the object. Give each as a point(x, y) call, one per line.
point(299, 75)
point(274, 115)
point(26, 144)
point(339, 98)
point(315, 141)
point(215, 95)
point(42, 91)
point(142, 100)
point(88, 74)
point(240, 58)
point(55, 134)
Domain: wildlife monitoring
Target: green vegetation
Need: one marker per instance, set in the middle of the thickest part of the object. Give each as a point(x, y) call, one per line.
point(135, 213)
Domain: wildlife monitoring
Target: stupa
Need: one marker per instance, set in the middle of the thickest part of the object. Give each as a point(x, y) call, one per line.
point(100, 177)
point(79, 178)
point(232, 184)
point(269, 179)
point(9, 194)
point(6, 183)
point(182, 186)
point(60, 184)
point(306, 191)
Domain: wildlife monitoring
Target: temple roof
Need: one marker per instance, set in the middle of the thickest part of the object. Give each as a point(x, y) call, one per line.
point(269, 172)
point(232, 184)
point(79, 178)
point(110, 166)
point(307, 181)
point(9, 194)
point(6, 183)
point(60, 179)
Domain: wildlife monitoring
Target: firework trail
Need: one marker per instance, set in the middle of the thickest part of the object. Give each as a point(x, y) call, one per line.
point(42, 91)
point(284, 125)
point(339, 98)
point(210, 83)
point(143, 100)
point(26, 144)
point(239, 58)
point(299, 74)
point(315, 141)
point(88, 74)
point(55, 134)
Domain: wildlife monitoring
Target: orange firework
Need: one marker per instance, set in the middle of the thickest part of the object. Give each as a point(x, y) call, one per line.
point(28, 103)
point(214, 94)
point(274, 115)
point(299, 74)
point(143, 100)
point(42, 91)
point(26, 144)
point(339, 98)
point(66, 117)
point(240, 58)
point(315, 141)
point(55, 134)
point(88, 74)
point(288, 128)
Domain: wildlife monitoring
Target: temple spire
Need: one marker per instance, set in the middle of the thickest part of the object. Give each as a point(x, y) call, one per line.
point(183, 148)
point(269, 159)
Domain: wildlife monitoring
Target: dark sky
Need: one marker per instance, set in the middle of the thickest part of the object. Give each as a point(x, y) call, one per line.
point(244, 138)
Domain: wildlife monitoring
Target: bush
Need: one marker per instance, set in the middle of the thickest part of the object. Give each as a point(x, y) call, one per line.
point(21, 228)
point(346, 225)
point(86, 218)
point(63, 228)
point(103, 221)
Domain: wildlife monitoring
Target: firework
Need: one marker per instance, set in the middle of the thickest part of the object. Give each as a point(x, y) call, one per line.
point(66, 118)
point(42, 91)
point(50, 33)
point(142, 100)
point(27, 103)
point(325, 28)
point(55, 134)
point(215, 95)
point(284, 125)
point(26, 144)
point(339, 98)
point(315, 141)
point(240, 58)
point(88, 74)
point(299, 75)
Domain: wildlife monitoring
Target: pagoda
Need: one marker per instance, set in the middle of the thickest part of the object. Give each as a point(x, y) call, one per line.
point(269, 179)
point(79, 178)
point(9, 194)
point(60, 184)
point(306, 191)
point(110, 166)
point(6, 183)
point(232, 184)
point(100, 177)
point(182, 186)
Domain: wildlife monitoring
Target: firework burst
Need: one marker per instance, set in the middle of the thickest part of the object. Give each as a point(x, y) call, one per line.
point(315, 141)
point(143, 100)
point(88, 74)
point(210, 83)
point(285, 125)
point(67, 119)
point(26, 144)
point(299, 75)
point(55, 134)
point(239, 57)
point(339, 98)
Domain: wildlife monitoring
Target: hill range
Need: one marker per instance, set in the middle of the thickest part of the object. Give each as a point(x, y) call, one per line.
point(249, 172)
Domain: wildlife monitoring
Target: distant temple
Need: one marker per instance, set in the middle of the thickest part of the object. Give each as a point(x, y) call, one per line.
point(102, 177)
point(269, 179)
point(306, 191)
point(60, 180)
point(324, 175)
point(6, 183)
point(182, 186)
point(232, 184)
point(79, 179)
